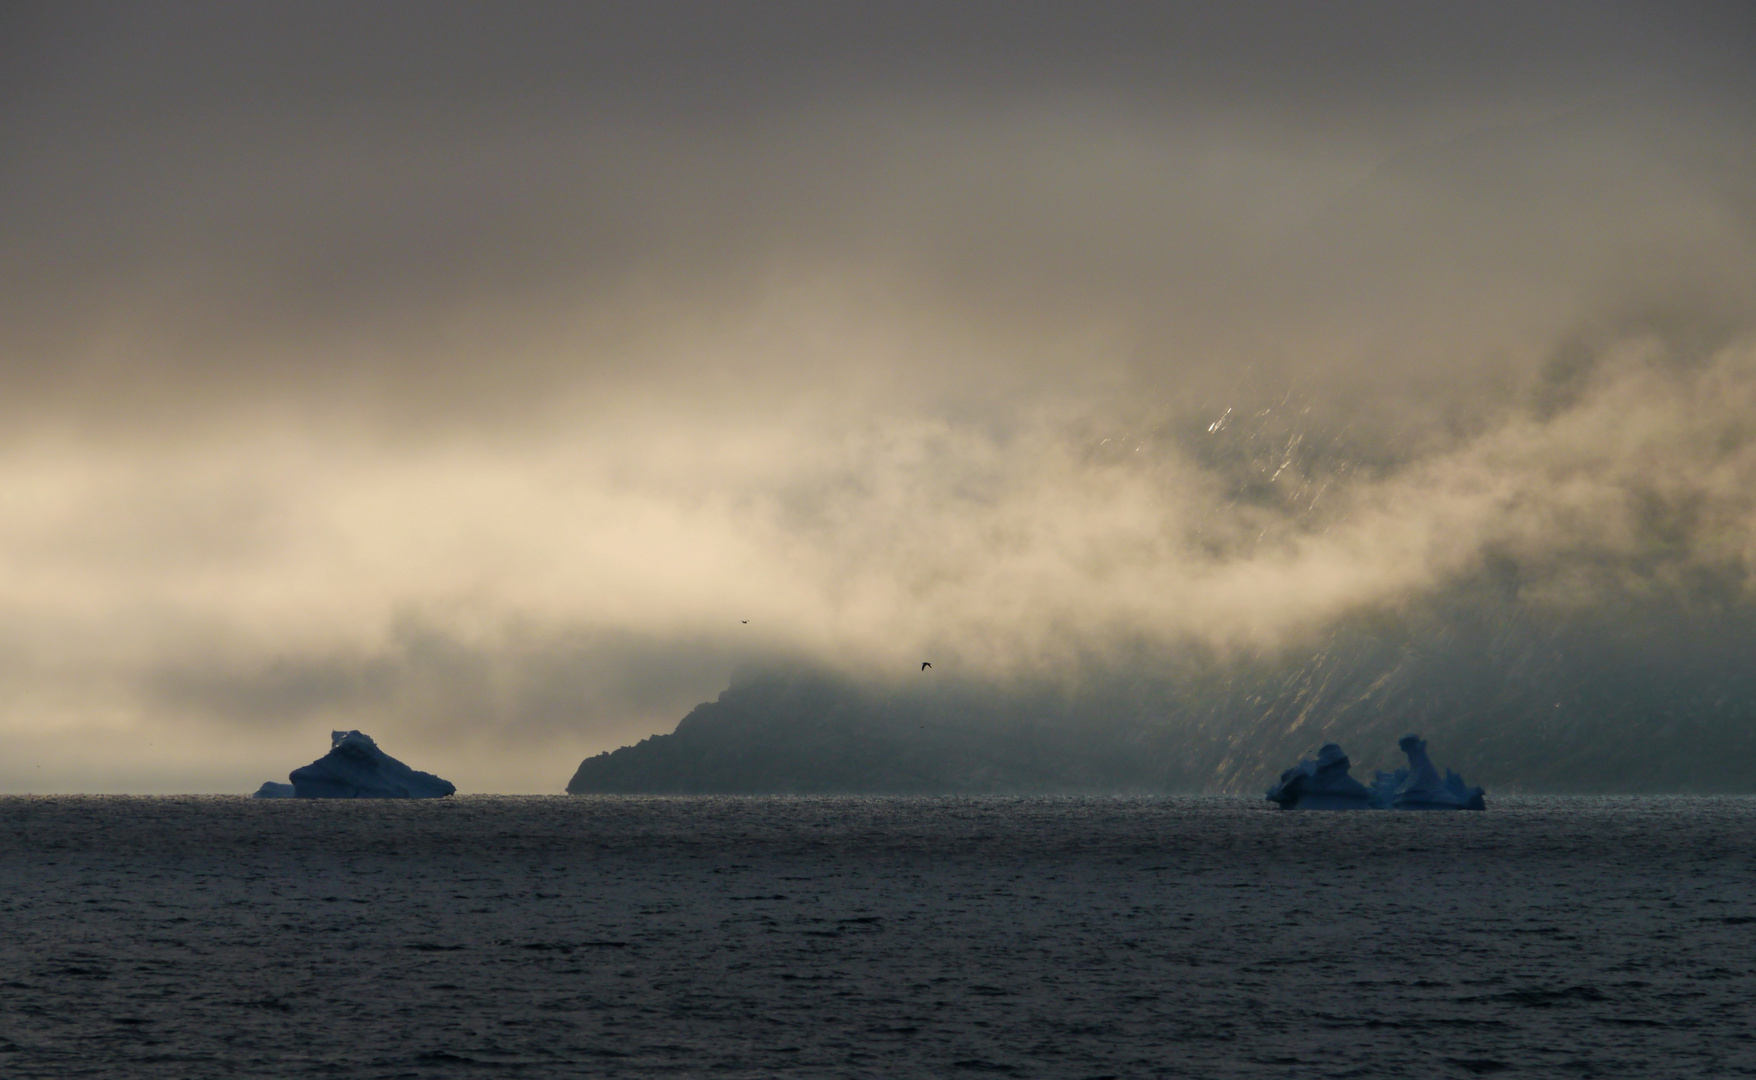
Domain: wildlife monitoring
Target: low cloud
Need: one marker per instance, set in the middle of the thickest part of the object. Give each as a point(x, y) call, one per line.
point(486, 430)
point(526, 603)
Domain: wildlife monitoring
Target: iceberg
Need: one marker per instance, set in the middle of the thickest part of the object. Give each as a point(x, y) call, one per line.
point(1322, 784)
point(1418, 787)
point(272, 790)
point(355, 768)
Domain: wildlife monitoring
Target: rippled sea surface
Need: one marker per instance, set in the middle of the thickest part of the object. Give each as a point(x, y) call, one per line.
point(1202, 937)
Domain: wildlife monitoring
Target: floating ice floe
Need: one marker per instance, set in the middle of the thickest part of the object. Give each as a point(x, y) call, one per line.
point(1324, 784)
point(355, 768)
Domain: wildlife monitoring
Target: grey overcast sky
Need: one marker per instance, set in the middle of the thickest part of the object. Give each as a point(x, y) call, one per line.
point(467, 373)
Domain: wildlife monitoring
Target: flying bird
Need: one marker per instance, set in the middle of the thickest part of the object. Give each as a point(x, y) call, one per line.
point(746, 622)
point(925, 665)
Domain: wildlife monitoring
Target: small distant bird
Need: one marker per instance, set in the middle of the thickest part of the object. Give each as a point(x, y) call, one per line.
point(925, 665)
point(746, 622)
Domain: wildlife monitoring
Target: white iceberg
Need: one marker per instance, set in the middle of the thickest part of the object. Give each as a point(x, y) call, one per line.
point(1418, 787)
point(355, 768)
point(272, 790)
point(1322, 784)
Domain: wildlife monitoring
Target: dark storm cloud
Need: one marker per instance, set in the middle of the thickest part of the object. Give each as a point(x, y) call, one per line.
point(211, 203)
point(1013, 334)
point(708, 62)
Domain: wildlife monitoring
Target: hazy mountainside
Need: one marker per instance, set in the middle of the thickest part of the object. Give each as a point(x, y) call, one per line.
point(1559, 599)
point(1513, 700)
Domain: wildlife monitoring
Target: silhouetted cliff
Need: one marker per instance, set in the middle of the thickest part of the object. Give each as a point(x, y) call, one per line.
point(1516, 700)
point(815, 733)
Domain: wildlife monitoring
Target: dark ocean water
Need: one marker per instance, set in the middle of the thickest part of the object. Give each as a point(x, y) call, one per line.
point(1202, 937)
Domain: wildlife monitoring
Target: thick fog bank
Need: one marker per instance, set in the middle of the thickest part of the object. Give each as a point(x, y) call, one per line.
point(1555, 589)
point(1192, 383)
